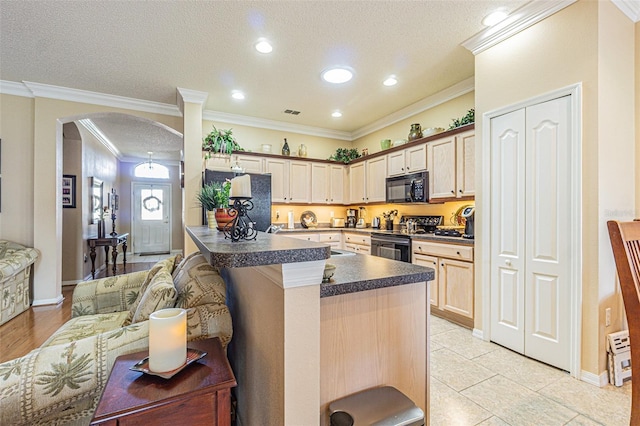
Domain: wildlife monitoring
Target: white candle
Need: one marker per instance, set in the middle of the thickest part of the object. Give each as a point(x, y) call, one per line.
point(241, 186)
point(167, 339)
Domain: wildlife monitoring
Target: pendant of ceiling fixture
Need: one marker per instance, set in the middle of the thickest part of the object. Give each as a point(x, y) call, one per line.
point(150, 162)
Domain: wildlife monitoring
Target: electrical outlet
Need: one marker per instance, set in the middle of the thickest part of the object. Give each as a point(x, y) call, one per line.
point(277, 214)
point(85, 258)
point(607, 317)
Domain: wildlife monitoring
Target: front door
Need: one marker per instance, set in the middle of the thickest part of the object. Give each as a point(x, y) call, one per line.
point(151, 218)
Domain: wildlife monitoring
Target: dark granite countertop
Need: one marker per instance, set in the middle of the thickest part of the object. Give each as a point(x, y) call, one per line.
point(363, 272)
point(267, 249)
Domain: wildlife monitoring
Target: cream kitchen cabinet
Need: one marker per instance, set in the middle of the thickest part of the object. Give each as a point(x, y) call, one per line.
point(451, 165)
point(357, 242)
point(334, 239)
point(453, 295)
point(367, 181)
point(327, 183)
point(290, 180)
point(250, 163)
point(409, 160)
point(307, 236)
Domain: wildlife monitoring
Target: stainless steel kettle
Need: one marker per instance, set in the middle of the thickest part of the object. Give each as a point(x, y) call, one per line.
point(375, 222)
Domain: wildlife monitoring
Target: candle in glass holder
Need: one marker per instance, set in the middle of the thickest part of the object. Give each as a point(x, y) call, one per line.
point(241, 186)
point(167, 339)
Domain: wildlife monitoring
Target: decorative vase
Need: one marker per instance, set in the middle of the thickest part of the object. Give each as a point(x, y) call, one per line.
point(211, 219)
point(302, 150)
point(222, 218)
point(416, 132)
point(285, 148)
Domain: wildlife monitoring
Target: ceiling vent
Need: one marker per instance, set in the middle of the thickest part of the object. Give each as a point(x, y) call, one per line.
point(292, 112)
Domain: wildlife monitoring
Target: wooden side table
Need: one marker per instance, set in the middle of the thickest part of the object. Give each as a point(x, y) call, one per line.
point(106, 242)
point(198, 395)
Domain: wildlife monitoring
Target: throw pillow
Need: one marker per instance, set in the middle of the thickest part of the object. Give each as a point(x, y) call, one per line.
point(199, 283)
point(182, 262)
point(160, 294)
point(166, 264)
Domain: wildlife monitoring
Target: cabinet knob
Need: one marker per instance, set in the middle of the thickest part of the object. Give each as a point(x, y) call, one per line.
point(402, 168)
point(507, 262)
point(435, 263)
point(442, 264)
point(458, 253)
point(453, 192)
point(408, 167)
point(460, 191)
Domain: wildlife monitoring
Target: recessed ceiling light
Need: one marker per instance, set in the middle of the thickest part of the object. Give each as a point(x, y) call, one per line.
point(390, 81)
point(263, 46)
point(336, 114)
point(236, 94)
point(495, 17)
point(337, 75)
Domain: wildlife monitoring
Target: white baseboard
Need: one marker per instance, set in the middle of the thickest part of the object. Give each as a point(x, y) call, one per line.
point(600, 380)
point(45, 302)
point(477, 333)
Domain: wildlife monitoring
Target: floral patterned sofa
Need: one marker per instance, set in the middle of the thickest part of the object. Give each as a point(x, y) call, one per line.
point(16, 264)
point(60, 383)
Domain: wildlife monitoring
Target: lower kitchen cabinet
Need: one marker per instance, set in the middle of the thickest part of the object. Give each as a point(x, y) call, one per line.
point(452, 290)
point(357, 243)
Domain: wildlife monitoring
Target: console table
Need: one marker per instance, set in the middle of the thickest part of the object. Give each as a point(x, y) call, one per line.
point(198, 395)
point(107, 242)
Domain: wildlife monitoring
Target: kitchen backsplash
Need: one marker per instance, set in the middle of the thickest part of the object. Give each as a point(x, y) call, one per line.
point(323, 212)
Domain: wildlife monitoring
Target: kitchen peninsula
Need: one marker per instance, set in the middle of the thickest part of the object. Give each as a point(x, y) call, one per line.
point(299, 344)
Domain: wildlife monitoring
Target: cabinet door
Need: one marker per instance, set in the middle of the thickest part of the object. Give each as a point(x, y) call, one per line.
point(395, 162)
point(250, 163)
point(415, 158)
point(300, 182)
point(441, 163)
point(357, 183)
point(376, 179)
point(431, 262)
point(302, 236)
point(319, 183)
point(279, 170)
point(456, 287)
point(465, 167)
point(336, 184)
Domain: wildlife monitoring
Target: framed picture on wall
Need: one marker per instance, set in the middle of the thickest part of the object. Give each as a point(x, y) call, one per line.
point(69, 191)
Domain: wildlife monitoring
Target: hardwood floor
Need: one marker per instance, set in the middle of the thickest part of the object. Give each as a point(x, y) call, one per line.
point(30, 329)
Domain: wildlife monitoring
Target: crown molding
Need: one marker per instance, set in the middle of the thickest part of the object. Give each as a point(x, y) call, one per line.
point(90, 126)
point(631, 8)
point(263, 123)
point(452, 92)
point(32, 90)
point(521, 19)
point(84, 96)
point(190, 96)
point(15, 88)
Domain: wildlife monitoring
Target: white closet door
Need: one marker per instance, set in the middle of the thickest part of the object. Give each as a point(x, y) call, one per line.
point(507, 229)
point(547, 233)
point(530, 209)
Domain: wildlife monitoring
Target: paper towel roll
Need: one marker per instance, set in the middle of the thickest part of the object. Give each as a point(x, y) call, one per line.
point(290, 220)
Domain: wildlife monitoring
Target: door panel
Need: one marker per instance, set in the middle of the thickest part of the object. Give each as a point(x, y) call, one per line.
point(548, 212)
point(507, 229)
point(151, 218)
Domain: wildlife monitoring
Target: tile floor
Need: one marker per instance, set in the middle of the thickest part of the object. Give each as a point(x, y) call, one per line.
point(474, 382)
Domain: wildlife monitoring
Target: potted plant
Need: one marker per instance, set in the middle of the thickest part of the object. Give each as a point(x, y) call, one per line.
point(214, 197)
point(220, 141)
point(345, 155)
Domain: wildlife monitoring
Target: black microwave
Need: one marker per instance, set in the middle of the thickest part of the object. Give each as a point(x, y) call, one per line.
point(413, 188)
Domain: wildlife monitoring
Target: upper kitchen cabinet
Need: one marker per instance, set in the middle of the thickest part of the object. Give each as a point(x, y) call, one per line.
point(409, 160)
point(290, 180)
point(327, 183)
point(367, 180)
point(450, 162)
point(249, 163)
point(465, 164)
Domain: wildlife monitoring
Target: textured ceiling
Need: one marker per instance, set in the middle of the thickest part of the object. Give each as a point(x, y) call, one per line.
point(146, 49)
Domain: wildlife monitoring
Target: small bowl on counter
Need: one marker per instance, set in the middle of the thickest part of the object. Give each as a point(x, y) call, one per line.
point(329, 270)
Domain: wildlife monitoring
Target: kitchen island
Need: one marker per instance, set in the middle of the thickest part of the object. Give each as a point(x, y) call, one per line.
point(299, 344)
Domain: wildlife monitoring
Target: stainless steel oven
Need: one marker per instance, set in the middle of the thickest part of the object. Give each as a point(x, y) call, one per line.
point(392, 246)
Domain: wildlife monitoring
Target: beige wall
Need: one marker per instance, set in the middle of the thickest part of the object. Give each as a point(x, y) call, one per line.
point(16, 130)
point(72, 225)
point(251, 139)
point(438, 116)
point(591, 43)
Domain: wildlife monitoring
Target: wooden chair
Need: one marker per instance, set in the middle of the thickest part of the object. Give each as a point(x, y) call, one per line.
point(625, 241)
